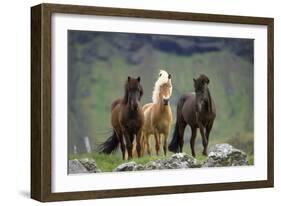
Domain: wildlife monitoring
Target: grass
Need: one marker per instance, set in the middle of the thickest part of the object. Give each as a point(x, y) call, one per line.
point(105, 162)
point(251, 159)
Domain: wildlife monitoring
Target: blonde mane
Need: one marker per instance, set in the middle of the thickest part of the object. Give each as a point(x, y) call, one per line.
point(162, 79)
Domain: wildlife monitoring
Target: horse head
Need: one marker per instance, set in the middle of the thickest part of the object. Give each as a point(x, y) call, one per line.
point(166, 91)
point(162, 88)
point(133, 92)
point(203, 100)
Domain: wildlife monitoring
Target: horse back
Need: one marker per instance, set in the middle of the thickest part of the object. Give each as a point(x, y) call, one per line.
point(190, 115)
point(188, 109)
point(115, 113)
point(115, 103)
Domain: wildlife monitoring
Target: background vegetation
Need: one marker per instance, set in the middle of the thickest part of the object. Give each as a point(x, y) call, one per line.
point(99, 63)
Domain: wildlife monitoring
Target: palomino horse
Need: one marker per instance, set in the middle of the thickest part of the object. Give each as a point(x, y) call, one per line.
point(199, 111)
point(127, 120)
point(158, 114)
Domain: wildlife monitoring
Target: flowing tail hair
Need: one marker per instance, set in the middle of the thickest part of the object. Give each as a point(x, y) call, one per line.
point(110, 145)
point(174, 145)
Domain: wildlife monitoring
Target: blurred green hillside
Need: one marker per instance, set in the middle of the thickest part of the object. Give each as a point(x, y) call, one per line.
point(99, 63)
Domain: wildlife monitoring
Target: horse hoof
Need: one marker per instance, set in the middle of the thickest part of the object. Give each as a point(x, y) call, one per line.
point(205, 153)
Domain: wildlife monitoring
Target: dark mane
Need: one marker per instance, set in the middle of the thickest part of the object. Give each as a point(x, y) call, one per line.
point(203, 79)
point(132, 84)
point(201, 88)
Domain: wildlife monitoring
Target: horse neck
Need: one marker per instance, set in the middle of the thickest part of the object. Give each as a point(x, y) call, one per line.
point(128, 109)
point(125, 98)
point(209, 103)
point(210, 106)
point(161, 107)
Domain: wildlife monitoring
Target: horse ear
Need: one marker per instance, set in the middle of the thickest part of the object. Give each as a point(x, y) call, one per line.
point(169, 76)
point(138, 79)
point(141, 91)
point(194, 80)
point(129, 78)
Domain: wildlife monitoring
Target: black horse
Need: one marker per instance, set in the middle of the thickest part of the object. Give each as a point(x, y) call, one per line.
point(198, 111)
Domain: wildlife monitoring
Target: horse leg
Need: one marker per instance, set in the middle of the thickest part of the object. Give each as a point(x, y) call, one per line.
point(142, 144)
point(157, 143)
point(138, 142)
point(148, 146)
point(204, 139)
point(166, 137)
point(181, 135)
point(128, 144)
point(208, 130)
point(192, 140)
point(122, 144)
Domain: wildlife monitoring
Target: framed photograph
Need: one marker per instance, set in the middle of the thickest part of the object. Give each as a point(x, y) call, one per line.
point(128, 102)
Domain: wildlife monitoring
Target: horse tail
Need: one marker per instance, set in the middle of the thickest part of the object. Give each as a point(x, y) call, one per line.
point(110, 145)
point(175, 144)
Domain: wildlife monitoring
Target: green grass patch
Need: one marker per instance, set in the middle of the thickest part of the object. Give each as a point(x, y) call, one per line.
point(250, 159)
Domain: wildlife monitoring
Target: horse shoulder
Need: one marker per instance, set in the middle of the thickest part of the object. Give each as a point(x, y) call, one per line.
point(146, 106)
point(115, 103)
point(162, 119)
point(188, 111)
point(170, 114)
point(141, 115)
point(155, 113)
point(148, 118)
point(115, 116)
point(167, 114)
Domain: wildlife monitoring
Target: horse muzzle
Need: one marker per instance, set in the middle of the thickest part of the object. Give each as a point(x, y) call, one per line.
point(166, 101)
point(134, 106)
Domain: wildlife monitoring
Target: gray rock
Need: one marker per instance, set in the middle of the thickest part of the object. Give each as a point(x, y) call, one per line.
point(187, 160)
point(139, 167)
point(176, 161)
point(222, 155)
point(128, 166)
point(153, 165)
point(90, 165)
point(74, 167)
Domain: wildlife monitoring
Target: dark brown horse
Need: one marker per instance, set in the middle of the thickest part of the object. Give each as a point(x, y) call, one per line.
point(198, 111)
point(127, 120)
